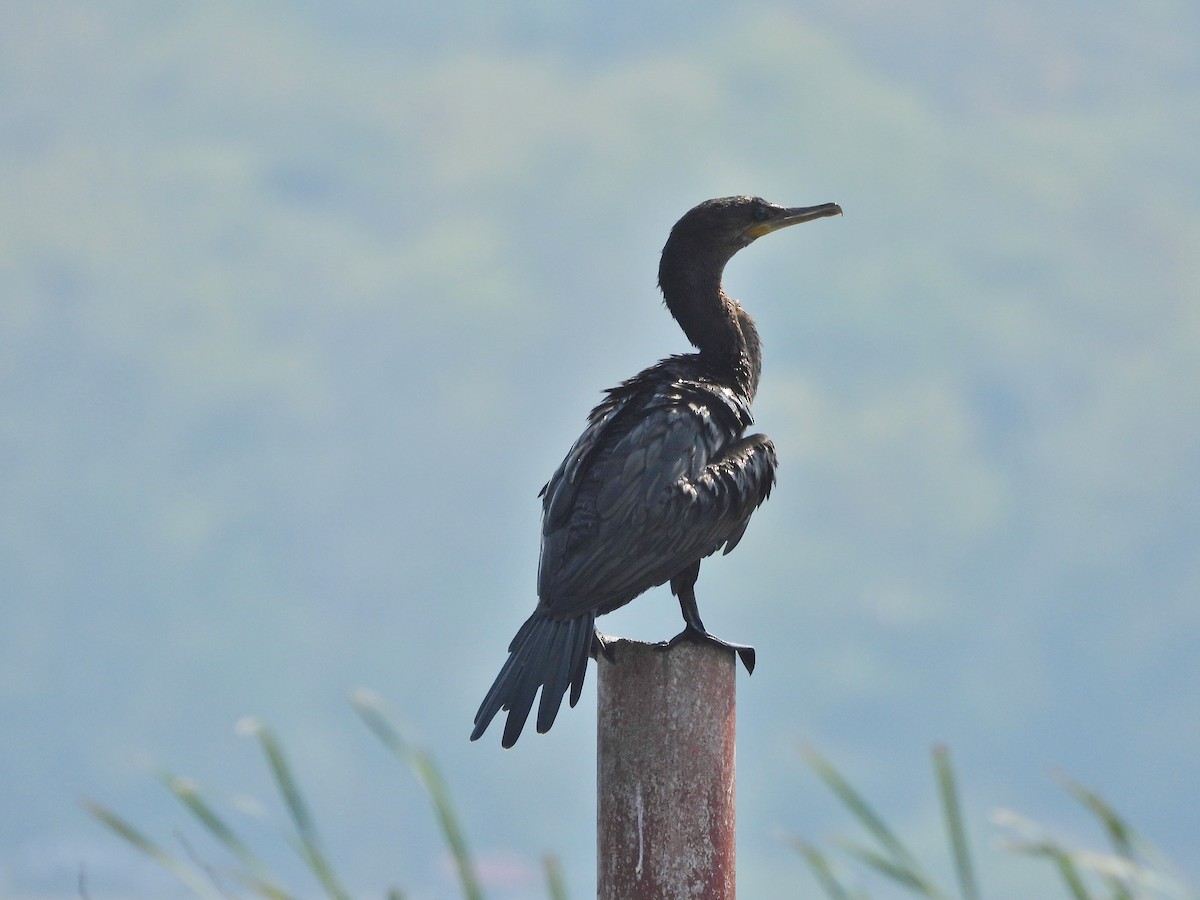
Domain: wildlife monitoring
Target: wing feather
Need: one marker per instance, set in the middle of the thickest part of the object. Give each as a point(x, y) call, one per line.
point(660, 478)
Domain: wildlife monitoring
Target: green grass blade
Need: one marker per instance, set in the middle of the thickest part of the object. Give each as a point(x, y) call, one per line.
point(439, 793)
point(422, 766)
point(1139, 855)
point(256, 876)
point(556, 882)
point(901, 859)
point(1069, 873)
point(1067, 869)
point(167, 861)
point(1120, 890)
point(186, 792)
point(822, 871)
point(907, 876)
point(309, 844)
point(952, 810)
point(1120, 835)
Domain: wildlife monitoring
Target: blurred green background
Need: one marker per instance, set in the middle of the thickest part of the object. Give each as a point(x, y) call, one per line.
point(301, 303)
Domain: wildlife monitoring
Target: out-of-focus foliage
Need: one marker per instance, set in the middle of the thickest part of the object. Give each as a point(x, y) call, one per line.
point(303, 302)
point(1132, 869)
point(239, 863)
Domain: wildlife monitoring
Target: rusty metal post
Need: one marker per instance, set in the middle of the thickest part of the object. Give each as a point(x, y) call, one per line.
point(665, 773)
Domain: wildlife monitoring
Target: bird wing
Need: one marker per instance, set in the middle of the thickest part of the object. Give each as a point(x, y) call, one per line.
point(657, 481)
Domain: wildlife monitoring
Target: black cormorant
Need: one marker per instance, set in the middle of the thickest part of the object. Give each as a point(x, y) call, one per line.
point(662, 476)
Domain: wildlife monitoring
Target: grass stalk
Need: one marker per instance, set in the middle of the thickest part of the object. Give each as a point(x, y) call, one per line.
point(956, 831)
point(421, 764)
point(308, 843)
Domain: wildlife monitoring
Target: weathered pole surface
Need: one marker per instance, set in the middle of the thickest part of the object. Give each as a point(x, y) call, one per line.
point(665, 772)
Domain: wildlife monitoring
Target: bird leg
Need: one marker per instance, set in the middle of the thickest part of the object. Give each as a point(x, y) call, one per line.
point(684, 587)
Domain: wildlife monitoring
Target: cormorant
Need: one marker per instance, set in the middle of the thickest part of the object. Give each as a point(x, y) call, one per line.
point(661, 477)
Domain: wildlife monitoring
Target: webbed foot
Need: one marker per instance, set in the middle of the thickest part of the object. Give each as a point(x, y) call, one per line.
point(744, 651)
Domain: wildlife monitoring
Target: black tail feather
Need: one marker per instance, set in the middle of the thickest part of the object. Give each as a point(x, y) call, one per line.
point(545, 654)
point(587, 634)
point(559, 657)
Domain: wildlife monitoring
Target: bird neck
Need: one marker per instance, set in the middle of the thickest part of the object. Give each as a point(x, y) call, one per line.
point(714, 322)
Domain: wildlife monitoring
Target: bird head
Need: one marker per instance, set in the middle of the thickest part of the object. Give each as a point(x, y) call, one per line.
point(727, 224)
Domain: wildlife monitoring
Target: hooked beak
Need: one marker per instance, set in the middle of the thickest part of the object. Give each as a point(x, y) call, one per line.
point(793, 216)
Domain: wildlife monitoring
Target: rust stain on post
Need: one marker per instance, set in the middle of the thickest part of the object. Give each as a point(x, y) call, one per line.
point(665, 772)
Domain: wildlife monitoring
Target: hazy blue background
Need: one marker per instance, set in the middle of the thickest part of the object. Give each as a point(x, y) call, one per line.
point(300, 304)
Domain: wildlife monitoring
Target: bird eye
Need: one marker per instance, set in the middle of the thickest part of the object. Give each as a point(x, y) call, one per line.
point(759, 213)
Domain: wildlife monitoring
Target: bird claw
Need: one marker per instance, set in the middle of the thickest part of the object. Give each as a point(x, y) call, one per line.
point(602, 645)
point(744, 651)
